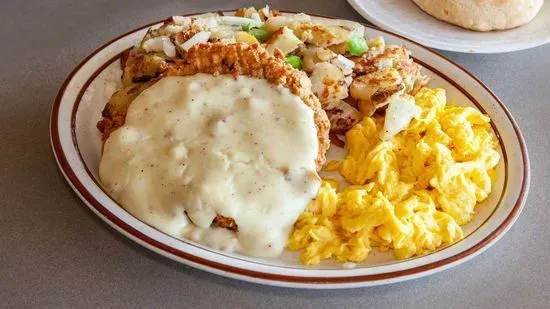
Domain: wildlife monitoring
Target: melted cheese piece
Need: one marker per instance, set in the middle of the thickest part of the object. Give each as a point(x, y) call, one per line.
point(196, 146)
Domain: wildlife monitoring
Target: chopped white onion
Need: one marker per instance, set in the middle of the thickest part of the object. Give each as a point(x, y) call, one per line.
point(168, 47)
point(239, 21)
point(181, 21)
point(200, 37)
point(174, 28)
point(409, 82)
point(344, 64)
point(222, 32)
point(348, 80)
point(358, 32)
point(207, 22)
point(266, 11)
point(256, 17)
point(401, 110)
point(212, 22)
point(153, 44)
point(275, 23)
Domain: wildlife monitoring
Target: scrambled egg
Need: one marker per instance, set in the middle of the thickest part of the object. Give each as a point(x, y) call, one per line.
point(409, 194)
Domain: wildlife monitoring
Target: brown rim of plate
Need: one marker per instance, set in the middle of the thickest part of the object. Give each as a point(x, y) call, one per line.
point(168, 250)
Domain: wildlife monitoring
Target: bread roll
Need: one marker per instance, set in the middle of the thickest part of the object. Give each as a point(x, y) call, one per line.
point(482, 15)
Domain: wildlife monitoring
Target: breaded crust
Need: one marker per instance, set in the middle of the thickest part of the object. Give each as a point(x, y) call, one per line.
point(235, 59)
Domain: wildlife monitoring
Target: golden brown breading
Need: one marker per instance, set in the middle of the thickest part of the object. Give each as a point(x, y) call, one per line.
point(254, 61)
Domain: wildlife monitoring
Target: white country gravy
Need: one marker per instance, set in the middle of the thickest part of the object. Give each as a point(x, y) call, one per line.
point(196, 146)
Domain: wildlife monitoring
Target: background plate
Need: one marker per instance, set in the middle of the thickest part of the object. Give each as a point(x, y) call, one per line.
point(407, 19)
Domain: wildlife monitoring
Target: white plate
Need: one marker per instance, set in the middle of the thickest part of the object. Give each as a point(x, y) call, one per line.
point(407, 19)
point(77, 145)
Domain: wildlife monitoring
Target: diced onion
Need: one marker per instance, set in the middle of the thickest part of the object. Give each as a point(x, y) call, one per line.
point(348, 80)
point(174, 28)
point(359, 31)
point(266, 11)
point(181, 21)
point(212, 22)
point(200, 37)
point(401, 110)
point(256, 17)
point(239, 21)
point(168, 47)
point(207, 22)
point(222, 32)
point(153, 44)
point(275, 23)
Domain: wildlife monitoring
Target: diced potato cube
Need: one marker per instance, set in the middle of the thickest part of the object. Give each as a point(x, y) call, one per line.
point(283, 39)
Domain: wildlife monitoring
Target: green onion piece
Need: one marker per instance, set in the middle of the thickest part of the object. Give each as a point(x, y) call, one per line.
point(260, 33)
point(247, 27)
point(357, 46)
point(294, 61)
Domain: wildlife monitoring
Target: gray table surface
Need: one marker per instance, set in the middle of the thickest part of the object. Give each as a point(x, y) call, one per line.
point(54, 253)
